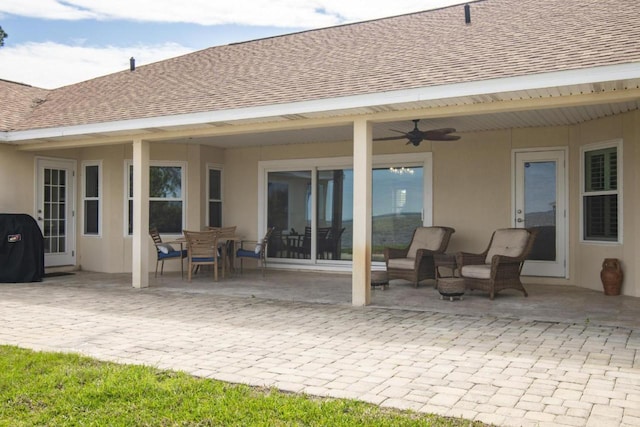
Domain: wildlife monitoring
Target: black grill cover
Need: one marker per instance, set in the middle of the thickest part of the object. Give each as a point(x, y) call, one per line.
point(21, 249)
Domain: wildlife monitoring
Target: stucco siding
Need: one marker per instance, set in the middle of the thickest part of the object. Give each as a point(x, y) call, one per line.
point(16, 171)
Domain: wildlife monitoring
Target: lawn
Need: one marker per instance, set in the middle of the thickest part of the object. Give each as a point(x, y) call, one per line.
point(53, 389)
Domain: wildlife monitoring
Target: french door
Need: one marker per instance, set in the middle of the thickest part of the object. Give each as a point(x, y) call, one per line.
point(55, 204)
point(540, 203)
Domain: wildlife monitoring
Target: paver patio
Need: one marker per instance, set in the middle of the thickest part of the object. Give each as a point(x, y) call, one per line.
point(451, 360)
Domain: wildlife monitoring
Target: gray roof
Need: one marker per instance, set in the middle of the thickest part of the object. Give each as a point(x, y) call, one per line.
point(18, 101)
point(506, 38)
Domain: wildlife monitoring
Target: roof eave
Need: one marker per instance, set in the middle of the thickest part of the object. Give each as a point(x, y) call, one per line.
point(344, 105)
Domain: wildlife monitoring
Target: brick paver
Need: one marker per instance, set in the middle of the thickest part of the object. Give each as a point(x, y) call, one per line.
point(505, 371)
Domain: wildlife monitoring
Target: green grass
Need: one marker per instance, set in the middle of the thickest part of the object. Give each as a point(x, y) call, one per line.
point(52, 389)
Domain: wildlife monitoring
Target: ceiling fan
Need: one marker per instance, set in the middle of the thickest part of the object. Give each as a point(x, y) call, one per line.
point(416, 136)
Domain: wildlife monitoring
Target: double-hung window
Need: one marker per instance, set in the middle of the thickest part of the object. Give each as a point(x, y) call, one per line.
point(91, 192)
point(601, 192)
point(214, 200)
point(166, 197)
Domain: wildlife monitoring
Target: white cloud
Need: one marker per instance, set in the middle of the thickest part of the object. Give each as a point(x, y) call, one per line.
point(51, 65)
point(47, 9)
point(278, 13)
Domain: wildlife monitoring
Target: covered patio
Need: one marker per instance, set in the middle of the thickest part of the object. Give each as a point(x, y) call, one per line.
point(264, 134)
point(545, 303)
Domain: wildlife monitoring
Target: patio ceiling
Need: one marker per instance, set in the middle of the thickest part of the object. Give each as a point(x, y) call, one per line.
point(467, 123)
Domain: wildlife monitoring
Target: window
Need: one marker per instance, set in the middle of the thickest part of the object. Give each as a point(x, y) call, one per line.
point(601, 196)
point(166, 197)
point(215, 196)
point(91, 193)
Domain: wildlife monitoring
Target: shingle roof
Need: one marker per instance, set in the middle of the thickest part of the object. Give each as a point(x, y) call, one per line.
point(18, 100)
point(505, 38)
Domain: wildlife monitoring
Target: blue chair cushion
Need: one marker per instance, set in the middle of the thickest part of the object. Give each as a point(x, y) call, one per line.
point(172, 254)
point(247, 254)
point(202, 259)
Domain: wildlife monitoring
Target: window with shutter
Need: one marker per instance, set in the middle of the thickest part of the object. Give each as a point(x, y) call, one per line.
point(600, 196)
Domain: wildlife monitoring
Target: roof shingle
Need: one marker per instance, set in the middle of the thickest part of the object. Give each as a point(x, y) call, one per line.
point(18, 100)
point(506, 38)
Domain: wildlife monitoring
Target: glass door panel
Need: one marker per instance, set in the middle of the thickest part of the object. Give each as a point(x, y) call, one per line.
point(289, 211)
point(398, 201)
point(540, 207)
point(335, 214)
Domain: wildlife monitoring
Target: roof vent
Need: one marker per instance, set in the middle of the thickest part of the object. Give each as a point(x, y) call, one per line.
point(467, 14)
point(132, 63)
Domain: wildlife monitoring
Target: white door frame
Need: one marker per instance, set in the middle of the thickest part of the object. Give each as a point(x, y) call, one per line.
point(559, 267)
point(68, 255)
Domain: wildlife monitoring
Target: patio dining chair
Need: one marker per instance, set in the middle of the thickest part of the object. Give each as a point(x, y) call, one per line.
point(165, 251)
point(226, 243)
point(500, 265)
point(202, 249)
point(415, 262)
point(257, 250)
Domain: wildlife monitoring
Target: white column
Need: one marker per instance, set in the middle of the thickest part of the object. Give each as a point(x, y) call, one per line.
point(140, 249)
point(362, 161)
point(196, 169)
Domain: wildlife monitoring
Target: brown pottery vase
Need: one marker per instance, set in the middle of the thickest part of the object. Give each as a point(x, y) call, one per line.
point(611, 276)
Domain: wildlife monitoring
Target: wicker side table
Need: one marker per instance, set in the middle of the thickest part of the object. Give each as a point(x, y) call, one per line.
point(379, 278)
point(451, 287)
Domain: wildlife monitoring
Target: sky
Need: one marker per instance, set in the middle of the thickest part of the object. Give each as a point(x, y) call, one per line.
point(54, 43)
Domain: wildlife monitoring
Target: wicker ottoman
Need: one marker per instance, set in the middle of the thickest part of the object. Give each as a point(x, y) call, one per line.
point(379, 278)
point(451, 287)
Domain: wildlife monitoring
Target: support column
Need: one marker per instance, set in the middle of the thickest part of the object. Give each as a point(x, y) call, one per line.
point(362, 177)
point(140, 249)
point(196, 169)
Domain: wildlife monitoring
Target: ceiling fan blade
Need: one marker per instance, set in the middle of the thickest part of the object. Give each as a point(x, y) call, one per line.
point(440, 134)
point(391, 138)
point(445, 138)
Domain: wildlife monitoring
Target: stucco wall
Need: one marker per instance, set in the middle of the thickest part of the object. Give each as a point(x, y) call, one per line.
point(111, 251)
point(16, 169)
point(469, 196)
point(587, 257)
point(108, 251)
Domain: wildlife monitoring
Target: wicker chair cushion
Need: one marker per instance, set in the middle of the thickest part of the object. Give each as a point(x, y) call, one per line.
point(476, 271)
point(426, 238)
point(402, 263)
point(507, 242)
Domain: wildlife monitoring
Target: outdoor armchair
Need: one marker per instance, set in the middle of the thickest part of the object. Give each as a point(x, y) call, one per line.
point(257, 250)
point(415, 262)
point(165, 251)
point(500, 265)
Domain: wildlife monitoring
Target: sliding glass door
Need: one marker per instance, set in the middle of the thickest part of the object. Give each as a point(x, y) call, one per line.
point(311, 209)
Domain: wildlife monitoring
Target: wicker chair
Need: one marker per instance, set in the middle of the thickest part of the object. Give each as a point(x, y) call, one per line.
point(257, 252)
point(499, 266)
point(415, 262)
point(202, 249)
